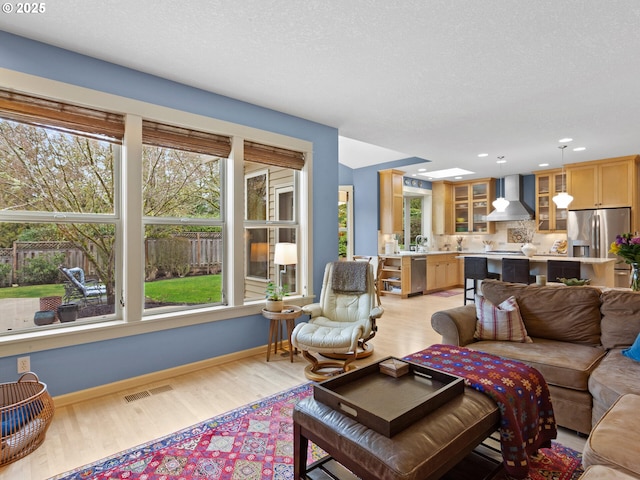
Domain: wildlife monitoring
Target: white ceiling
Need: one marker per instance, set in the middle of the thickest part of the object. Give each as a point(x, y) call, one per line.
point(442, 80)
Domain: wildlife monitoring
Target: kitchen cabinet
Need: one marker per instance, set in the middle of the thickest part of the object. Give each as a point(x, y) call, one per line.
point(395, 275)
point(443, 271)
point(471, 204)
point(606, 183)
point(442, 207)
point(403, 275)
point(391, 201)
point(550, 218)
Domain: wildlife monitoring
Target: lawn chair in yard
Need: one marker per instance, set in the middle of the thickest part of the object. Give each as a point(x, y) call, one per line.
point(77, 288)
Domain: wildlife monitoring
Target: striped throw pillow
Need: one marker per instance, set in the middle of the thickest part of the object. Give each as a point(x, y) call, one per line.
point(500, 323)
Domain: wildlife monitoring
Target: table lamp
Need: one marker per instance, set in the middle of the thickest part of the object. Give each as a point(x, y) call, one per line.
point(285, 254)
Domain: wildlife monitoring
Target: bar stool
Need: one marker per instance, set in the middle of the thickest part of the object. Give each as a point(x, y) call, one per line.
point(516, 270)
point(476, 269)
point(562, 269)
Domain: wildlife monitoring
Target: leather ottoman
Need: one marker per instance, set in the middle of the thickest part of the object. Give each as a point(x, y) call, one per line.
point(423, 451)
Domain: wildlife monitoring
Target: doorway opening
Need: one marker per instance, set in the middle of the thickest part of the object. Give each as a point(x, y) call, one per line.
point(345, 222)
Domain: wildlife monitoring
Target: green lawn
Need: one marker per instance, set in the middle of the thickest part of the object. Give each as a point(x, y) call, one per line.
point(194, 290)
point(33, 291)
point(200, 289)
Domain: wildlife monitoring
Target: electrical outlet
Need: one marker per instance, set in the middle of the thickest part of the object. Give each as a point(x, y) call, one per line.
point(24, 364)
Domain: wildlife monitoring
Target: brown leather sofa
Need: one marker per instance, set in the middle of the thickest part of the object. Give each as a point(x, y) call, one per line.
point(578, 334)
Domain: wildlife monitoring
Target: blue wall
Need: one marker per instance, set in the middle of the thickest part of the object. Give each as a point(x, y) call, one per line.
point(345, 175)
point(74, 368)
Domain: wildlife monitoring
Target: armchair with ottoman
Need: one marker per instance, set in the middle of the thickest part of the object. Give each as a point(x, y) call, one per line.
point(341, 323)
point(574, 336)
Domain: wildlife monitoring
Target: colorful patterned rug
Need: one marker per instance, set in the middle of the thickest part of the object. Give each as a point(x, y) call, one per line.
point(253, 442)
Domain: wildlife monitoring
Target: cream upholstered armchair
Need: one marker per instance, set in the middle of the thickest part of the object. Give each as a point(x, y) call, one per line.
point(341, 322)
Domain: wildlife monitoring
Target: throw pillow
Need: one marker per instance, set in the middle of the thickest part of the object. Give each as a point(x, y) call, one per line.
point(503, 322)
point(633, 352)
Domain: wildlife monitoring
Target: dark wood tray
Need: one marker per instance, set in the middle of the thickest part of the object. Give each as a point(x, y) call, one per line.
point(385, 403)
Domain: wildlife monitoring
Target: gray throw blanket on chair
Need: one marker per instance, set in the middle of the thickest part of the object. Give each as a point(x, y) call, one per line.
point(349, 277)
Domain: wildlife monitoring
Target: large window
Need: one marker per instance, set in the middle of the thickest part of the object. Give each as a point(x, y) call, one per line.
point(58, 189)
point(182, 204)
point(271, 186)
point(71, 215)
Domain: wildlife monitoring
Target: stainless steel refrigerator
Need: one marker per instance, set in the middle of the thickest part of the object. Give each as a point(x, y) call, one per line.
point(591, 232)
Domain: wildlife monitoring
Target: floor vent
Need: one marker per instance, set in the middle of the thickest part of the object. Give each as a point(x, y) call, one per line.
point(136, 396)
point(160, 389)
point(147, 393)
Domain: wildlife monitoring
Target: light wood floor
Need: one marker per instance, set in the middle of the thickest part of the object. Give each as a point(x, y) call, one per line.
point(87, 431)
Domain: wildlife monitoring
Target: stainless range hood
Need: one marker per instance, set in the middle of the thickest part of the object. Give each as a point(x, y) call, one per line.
point(516, 210)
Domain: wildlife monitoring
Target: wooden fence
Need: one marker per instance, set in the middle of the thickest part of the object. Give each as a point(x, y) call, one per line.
point(205, 252)
point(22, 252)
point(205, 255)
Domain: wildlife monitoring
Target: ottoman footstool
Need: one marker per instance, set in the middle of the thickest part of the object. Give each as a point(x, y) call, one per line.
point(423, 451)
point(323, 339)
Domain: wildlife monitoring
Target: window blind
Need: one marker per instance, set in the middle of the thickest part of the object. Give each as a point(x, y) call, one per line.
point(279, 157)
point(61, 116)
point(169, 136)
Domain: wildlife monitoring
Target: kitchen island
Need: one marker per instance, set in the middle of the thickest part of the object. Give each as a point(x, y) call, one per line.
point(416, 273)
point(599, 270)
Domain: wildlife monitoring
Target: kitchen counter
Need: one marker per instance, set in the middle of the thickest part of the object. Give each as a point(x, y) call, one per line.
point(539, 258)
point(419, 254)
point(599, 270)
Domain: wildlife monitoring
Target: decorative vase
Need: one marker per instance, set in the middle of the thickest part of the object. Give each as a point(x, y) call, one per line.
point(635, 277)
point(529, 249)
point(274, 305)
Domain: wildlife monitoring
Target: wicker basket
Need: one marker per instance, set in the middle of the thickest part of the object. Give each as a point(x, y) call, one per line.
point(27, 410)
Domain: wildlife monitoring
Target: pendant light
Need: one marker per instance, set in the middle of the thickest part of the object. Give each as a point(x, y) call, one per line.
point(562, 199)
point(501, 203)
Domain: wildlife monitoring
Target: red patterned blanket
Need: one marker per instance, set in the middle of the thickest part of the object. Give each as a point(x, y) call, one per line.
point(527, 420)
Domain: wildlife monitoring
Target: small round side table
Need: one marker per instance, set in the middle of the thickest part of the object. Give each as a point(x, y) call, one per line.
point(288, 314)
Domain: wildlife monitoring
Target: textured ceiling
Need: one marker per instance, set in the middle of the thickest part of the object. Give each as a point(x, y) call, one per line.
point(442, 80)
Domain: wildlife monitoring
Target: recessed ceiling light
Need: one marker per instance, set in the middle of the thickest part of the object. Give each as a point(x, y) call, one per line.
point(579, 149)
point(483, 154)
point(449, 172)
point(422, 169)
point(501, 161)
point(565, 140)
point(543, 164)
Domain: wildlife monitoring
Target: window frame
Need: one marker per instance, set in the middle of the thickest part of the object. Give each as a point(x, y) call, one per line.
point(129, 281)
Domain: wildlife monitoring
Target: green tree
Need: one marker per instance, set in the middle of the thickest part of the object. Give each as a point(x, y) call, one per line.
point(43, 169)
point(180, 184)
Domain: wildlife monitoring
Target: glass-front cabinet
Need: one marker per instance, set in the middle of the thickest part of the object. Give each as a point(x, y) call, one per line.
point(548, 184)
point(472, 204)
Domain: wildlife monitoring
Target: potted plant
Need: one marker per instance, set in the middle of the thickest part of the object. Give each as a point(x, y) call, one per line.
point(275, 297)
point(68, 312)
